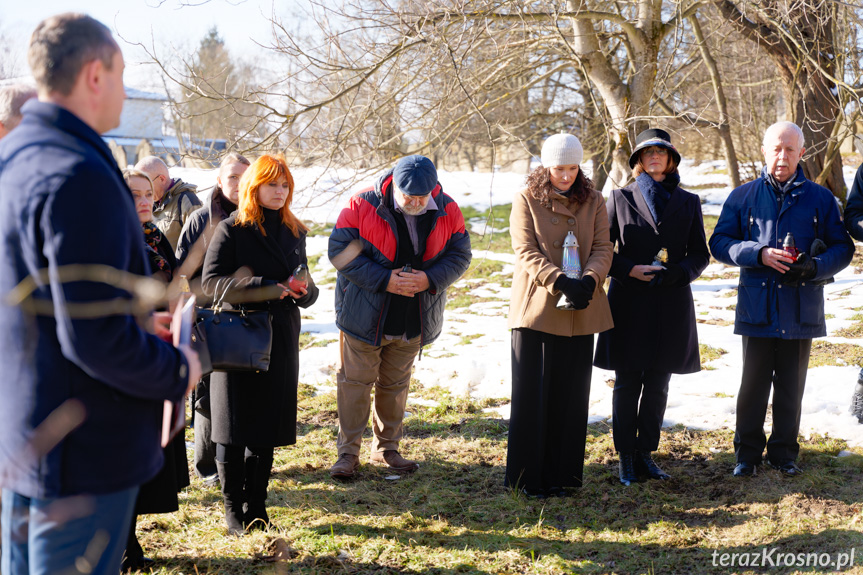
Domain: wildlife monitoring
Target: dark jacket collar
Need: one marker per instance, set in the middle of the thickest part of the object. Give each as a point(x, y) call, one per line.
point(635, 198)
point(65, 121)
point(217, 210)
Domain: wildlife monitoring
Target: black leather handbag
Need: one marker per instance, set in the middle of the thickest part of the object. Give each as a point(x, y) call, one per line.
point(237, 339)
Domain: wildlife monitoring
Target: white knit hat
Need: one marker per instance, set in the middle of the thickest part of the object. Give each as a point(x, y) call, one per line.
point(561, 150)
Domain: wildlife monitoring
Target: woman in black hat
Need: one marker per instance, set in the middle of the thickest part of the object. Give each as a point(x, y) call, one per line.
point(661, 247)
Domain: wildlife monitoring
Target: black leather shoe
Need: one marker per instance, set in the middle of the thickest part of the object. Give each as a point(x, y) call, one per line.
point(626, 469)
point(536, 493)
point(787, 467)
point(645, 465)
point(744, 469)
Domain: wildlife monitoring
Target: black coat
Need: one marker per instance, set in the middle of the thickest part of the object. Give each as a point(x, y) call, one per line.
point(159, 495)
point(654, 327)
point(249, 408)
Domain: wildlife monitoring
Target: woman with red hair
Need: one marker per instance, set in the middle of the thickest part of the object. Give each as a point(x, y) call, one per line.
point(258, 247)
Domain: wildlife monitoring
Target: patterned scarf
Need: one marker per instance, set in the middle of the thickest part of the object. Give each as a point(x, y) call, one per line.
point(656, 194)
point(152, 237)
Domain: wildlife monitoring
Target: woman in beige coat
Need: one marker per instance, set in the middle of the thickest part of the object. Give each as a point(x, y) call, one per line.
point(552, 349)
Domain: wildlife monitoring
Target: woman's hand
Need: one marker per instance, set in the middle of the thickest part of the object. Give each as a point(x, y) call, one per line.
point(286, 291)
point(644, 273)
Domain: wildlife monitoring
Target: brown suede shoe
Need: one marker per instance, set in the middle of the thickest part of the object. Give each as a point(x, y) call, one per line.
point(393, 460)
point(346, 467)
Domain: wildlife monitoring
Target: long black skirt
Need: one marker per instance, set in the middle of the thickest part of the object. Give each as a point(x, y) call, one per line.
point(548, 422)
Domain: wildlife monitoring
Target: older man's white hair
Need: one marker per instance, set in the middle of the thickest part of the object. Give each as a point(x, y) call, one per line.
point(780, 127)
point(12, 97)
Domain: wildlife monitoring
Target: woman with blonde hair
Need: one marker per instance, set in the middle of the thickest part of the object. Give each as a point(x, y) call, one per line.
point(158, 495)
point(258, 247)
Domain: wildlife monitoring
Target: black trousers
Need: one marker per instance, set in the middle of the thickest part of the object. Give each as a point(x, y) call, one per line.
point(636, 425)
point(239, 453)
point(548, 421)
point(782, 364)
point(205, 449)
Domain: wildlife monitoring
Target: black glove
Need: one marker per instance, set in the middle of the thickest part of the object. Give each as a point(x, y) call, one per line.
point(672, 276)
point(801, 270)
point(578, 292)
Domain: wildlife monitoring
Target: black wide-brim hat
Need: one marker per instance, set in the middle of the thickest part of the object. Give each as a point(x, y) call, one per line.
point(653, 137)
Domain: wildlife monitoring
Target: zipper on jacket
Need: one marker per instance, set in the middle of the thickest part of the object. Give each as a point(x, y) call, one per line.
point(815, 223)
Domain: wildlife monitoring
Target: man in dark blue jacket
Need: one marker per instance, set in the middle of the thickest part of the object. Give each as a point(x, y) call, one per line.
point(397, 247)
point(83, 385)
point(780, 301)
point(854, 225)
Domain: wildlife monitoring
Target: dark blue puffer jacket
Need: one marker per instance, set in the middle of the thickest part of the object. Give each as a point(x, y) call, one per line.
point(361, 296)
point(751, 220)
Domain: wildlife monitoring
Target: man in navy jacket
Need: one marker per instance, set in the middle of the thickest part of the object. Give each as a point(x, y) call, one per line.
point(780, 301)
point(83, 385)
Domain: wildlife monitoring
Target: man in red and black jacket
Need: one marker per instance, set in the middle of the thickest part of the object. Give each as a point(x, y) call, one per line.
point(385, 312)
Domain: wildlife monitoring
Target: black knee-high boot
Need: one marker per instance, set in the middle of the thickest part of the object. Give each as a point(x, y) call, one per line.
point(258, 467)
point(231, 475)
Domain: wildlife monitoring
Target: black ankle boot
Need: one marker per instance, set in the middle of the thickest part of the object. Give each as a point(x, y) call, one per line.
point(857, 399)
point(627, 469)
point(231, 476)
point(645, 465)
point(257, 480)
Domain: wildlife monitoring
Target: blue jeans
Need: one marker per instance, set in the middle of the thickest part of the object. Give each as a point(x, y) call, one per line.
point(85, 533)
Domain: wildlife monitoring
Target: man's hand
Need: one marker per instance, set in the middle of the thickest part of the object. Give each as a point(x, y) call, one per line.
point(416, 281)
point(803, 269)
point(776, 259)
point(195, 371)
point(644, 273)
point(398, 284)
point(162, 325)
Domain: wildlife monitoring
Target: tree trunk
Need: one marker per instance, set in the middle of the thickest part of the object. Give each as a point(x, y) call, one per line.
point(802, 35)
point(810, 102)
point(627, 105)
point(721, 103)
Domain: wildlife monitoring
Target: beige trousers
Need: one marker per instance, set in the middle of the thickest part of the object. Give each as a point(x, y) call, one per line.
point(387, 369)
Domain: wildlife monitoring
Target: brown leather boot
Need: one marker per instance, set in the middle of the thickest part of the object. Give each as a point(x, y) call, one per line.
point(346, 467)
point(393, 460)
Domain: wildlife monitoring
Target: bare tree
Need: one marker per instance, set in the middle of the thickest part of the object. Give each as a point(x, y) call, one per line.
point(799, 38)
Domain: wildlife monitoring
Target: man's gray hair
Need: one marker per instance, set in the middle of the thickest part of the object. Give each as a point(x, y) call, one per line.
point(781, 127)
point(11, 99)
point(62, 45)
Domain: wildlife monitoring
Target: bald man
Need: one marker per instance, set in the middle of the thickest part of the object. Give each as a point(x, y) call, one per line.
point(11, 99)
point(175, 199)
point(780, 296)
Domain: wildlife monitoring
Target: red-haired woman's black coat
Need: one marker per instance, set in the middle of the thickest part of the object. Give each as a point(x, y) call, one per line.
point(249, 408)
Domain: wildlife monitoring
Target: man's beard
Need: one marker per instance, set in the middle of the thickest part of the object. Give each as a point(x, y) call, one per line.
point(412, 210)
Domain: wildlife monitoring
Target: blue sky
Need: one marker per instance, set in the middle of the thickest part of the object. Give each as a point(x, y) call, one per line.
point(172, 25)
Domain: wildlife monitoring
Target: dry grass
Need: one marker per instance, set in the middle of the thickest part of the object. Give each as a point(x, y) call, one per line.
point(455, 516)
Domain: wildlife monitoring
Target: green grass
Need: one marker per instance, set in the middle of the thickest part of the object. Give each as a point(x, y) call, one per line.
point(308, 340)
point(826, 353)
point(455, 516)
point(709, 353)
point(489, 237)
point(853, 331)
